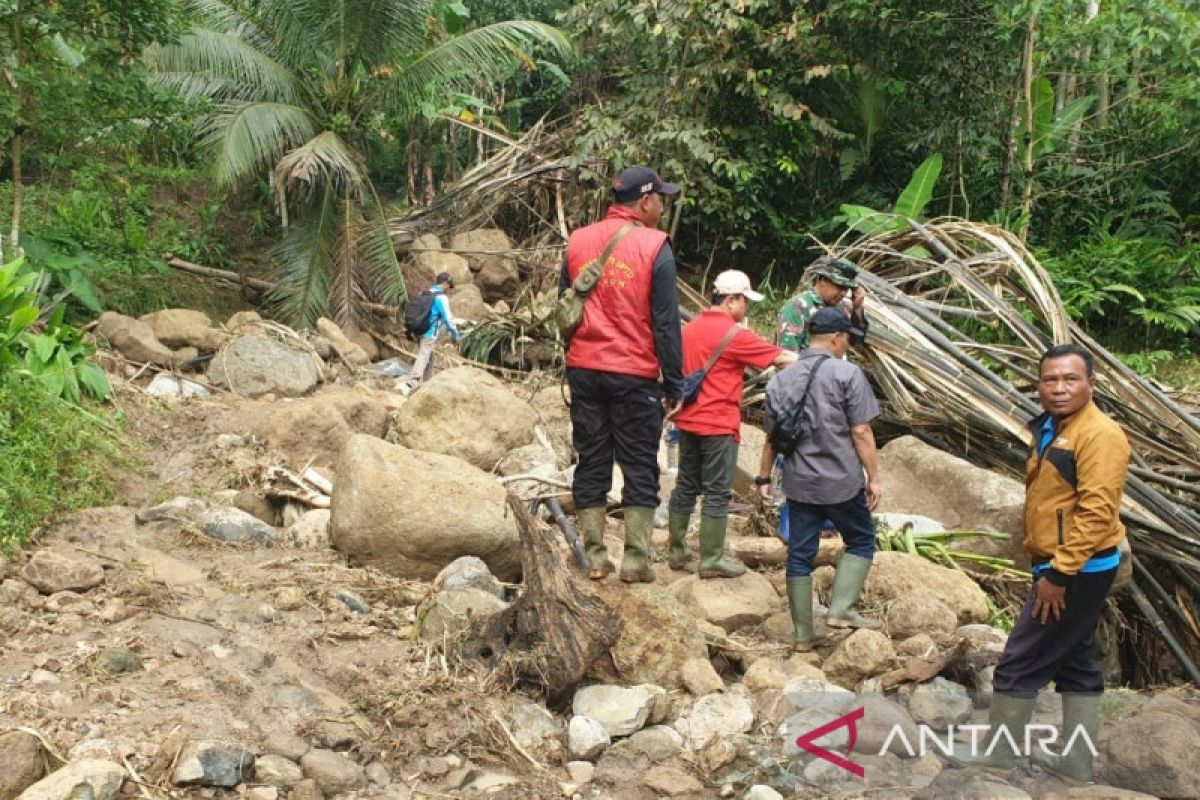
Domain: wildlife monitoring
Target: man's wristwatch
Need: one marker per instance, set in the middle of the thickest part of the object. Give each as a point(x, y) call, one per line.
point(762, 480)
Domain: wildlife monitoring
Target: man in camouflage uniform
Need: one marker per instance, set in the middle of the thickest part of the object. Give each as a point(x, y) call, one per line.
point(835, 279)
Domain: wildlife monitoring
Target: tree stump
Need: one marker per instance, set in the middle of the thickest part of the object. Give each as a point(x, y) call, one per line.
point(556, 629)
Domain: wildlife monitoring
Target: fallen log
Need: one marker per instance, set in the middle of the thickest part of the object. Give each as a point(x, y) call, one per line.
point(550, 637)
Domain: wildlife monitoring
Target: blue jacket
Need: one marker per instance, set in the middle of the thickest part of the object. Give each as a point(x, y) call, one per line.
point(440, 316)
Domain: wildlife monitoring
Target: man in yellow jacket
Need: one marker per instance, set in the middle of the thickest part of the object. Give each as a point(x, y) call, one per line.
point(1074, 479)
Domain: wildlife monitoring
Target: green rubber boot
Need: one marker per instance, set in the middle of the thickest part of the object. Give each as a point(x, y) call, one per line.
point(1011, 712)
point(635, 563)
point(591, 523)
point(847, 584)
point(800, 600)
point(678, 556)
point(1079, 711)
point(713, 563)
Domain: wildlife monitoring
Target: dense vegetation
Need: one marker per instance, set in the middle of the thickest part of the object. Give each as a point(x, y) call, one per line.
point(277, 136)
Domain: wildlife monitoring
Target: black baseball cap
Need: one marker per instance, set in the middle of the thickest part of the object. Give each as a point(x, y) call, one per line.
point(444, 277)
point(634, 182)
point(832, 320)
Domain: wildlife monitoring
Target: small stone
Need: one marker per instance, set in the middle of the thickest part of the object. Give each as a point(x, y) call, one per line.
point(333, 772)
point(289, 598)
point(352, 601)
point(235, 525)
point(24, 763)
point(487, 782)
point(658, 742)
point(821, 772)
point(277, 771)
point(699, 677)
point(286, 744)
point(919, 645)
point(115, 610)
point(263, 614)
point(211, 763)
point(671, 782)
point(468, 572)
point(306, 789)
point(761, 792)
point(435, 767)
point(177, 508)
point(262, 793)
point(230, 441)
point(310, 531)
point(51, 572)
point(378, 774)
point(620, 709)
point(586, 738)
point(119, 660)
point(581, 772)
point(90, 778)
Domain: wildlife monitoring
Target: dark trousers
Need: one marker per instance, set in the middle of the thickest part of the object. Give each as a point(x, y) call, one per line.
point(852, 519)
point(1060, 650)
point(615, 417)
point(706, 465)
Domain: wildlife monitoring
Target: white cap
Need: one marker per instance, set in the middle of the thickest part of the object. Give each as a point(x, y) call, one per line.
point(734, 281)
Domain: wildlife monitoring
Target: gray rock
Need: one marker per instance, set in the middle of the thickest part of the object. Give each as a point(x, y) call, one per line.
point(311, 531)
point(306, 789)
point(658, 742)
point(983, 638)
point(23, 760)
point(252, 366)
point(863, 654)
point(211, 763)
point(286, 744)
point(969, 785)
point(378, 775)
point(177, 508)
point(469, 572)
point(671, 782)
point(51, 572)
point(586, 738)
point(761, 792)
point(235, 525)
point(813, 694)
point(118, 660)
point(804, 721)
point(730, 712)
point(165, 385)
point(449, 613)
point(89, 779)
point(881, 718)
point(533, 726)
point(620, 709)
point(332, 772)
point(277, 771)
point(1154, 751)
point(940, 703)
point(352, 601)
point(581, 772)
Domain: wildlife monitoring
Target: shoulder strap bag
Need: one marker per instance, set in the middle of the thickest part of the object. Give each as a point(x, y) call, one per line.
point(568, 312)
point(785, 438)
point(695, 379)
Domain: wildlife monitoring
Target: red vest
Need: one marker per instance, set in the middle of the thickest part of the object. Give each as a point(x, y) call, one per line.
point(616, 334)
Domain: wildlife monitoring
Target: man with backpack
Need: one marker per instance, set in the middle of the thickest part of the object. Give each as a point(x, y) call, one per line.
point(628, 338)
point(717, 349)
point(427, 314)
point(818, 416)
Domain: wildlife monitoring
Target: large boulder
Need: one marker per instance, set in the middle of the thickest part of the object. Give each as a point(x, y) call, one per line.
point(919, 479)
point(431, 260)
point(466, 303)
point(256, 365)
point(314, 429)
point(897, 575)
point(731, 603)
point(498, 279)
point(658, 636)
point(465, 412)
point(183, 327)
point(862, 654)
point(90, 778)
point(1154, 751)
point(410, 512)
point(135, 340)
point(50, 572)
point(484, 247)
point(23, 760)
point(920, 613)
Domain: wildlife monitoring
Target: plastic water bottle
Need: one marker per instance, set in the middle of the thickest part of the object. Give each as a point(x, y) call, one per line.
point(779, 500)
point(672, 449)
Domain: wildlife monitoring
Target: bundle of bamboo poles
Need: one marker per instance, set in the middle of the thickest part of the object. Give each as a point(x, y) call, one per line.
point(960, 315)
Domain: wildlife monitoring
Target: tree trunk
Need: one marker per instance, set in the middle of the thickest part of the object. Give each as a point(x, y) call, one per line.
point(1085, 58)
point(1027, 196)
point(1010, 154)
point(550, 637)
point(14, 236)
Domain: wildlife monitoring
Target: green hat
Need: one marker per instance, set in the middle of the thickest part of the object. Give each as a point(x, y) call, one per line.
point(841, 271)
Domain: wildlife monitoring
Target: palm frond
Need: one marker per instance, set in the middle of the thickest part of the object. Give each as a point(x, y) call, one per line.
point(301, 30)
point(221, 16)
point(212, 87)
point(375, 30)
point(246, 139)
point(304, 258)
point(227, 57)
point(347, 289)
point(324, 160)
point(486, 53)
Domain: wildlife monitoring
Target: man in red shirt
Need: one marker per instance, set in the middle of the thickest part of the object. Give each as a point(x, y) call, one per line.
point(710, 427)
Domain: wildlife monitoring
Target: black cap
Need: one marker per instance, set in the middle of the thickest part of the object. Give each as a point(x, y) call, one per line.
point(635, 182)
point(831, 319)
point(444, 277)
point(841, 271)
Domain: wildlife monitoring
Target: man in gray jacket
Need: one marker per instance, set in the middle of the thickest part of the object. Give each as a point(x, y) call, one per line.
point(823, 477)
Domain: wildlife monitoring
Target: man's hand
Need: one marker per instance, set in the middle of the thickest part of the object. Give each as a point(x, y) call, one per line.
point(673, 407)
point(874, 494)
point(857, 297)
point(1048, 598)
point(764, 492)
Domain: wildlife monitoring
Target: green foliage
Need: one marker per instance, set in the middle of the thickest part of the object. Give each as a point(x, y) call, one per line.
point(909, 205)
point(298, 90)
point(53, 457)
point(17, 312)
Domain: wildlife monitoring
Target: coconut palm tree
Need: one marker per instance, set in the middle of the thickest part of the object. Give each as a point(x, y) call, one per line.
point(294, 90)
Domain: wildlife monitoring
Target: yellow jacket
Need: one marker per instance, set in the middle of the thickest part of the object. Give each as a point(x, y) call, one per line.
point(1073, 491)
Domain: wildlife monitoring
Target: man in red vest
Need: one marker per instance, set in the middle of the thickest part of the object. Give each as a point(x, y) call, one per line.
point(629, 337)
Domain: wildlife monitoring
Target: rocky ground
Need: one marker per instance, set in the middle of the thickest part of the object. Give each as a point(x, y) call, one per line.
point(209, 637)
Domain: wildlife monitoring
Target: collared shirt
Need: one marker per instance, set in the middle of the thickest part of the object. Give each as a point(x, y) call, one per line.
point(825, 468)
